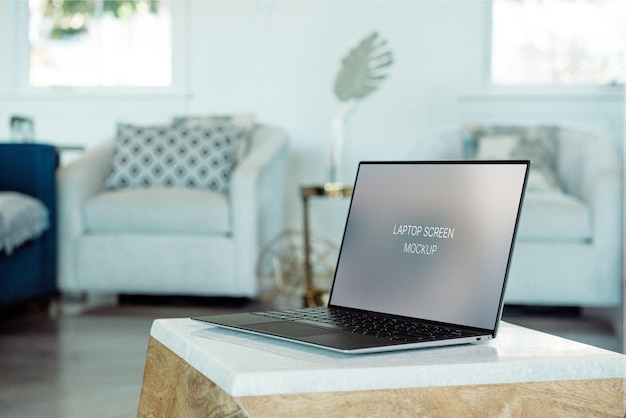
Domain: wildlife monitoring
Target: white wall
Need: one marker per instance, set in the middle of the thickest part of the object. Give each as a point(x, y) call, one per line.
point(278, 59)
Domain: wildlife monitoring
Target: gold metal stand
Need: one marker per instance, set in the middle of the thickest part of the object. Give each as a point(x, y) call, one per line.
point(313, 296)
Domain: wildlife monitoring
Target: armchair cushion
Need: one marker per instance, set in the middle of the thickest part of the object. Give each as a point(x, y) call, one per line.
point(571, 223)
point(180, 211)
point(200, 157)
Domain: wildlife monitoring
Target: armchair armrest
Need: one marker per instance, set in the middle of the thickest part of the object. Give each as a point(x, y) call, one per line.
point(29, 169)
point(591, 169)
point(256, 193)
point(76, 182)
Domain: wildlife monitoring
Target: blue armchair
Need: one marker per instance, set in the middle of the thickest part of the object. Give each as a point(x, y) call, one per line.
point(29, 271)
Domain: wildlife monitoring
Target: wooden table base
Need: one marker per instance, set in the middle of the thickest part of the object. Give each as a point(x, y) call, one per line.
point(172, 388)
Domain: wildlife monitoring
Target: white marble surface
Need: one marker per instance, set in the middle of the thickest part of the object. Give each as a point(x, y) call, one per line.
point(248, 365)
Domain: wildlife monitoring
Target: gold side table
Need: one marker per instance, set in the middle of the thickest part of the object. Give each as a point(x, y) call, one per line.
point(313, 296)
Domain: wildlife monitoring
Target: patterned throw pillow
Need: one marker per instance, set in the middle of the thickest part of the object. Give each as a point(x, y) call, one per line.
point(538, 144)
point(244, 122)
point(168, 156)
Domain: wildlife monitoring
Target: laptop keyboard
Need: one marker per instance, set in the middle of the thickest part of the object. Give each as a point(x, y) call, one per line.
point(381, 326)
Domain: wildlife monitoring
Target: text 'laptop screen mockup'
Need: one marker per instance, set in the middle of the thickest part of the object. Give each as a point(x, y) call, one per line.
point(430, 240)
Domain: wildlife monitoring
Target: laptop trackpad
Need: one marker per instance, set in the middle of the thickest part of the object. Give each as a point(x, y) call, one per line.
point(289, 329)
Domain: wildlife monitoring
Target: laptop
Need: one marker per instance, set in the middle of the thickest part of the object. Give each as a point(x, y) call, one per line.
point(423, 261)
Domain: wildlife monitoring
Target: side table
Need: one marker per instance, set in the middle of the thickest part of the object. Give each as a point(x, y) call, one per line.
point(313, 296)
point(61, 149)
point(193, 369)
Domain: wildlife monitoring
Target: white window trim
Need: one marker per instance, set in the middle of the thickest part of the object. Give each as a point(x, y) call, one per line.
point(19, 56)
point(539, 92)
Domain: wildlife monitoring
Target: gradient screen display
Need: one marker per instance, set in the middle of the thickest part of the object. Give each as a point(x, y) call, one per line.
point(430, 240)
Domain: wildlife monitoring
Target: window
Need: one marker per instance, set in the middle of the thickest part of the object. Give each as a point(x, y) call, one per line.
point(558, 42)
point(100, 43)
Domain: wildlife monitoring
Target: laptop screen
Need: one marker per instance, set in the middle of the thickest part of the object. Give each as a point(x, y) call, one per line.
point(430, 240)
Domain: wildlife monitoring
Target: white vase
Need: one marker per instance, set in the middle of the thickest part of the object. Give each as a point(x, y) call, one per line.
point(337, 138)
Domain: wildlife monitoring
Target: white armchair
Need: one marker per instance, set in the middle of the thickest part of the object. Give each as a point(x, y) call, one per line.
point(569, 245)
point(169, 241)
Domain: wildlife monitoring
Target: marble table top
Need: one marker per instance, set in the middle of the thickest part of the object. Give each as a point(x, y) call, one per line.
point(247, 365)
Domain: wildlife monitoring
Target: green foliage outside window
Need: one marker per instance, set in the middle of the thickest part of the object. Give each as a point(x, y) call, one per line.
point(72, 17)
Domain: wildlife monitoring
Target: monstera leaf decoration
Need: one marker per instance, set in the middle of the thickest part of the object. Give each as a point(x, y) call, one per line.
point(361, 73)
point(364, 69)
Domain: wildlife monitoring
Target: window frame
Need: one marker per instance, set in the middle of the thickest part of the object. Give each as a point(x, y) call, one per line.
point(609, 91)
point(19, 56)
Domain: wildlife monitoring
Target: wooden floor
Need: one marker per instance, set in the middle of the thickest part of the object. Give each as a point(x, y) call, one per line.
point(92, 359)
